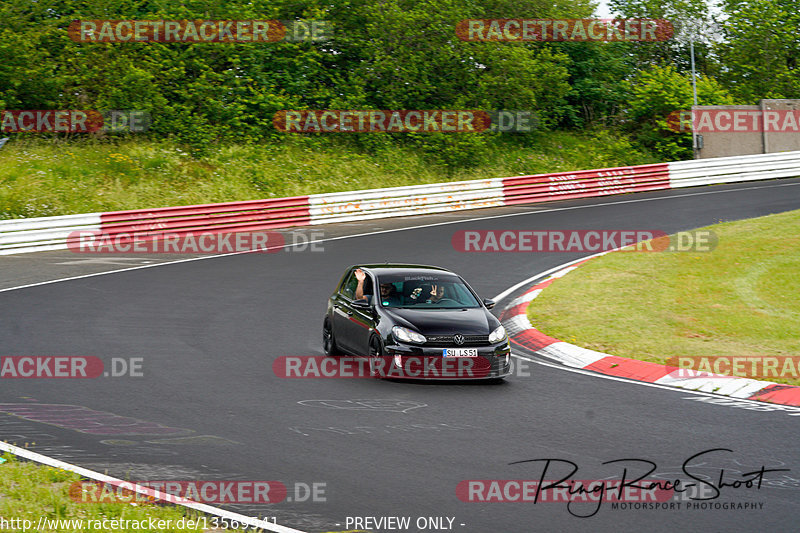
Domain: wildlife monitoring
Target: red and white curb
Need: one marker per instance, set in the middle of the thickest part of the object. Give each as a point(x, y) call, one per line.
point(522, 333)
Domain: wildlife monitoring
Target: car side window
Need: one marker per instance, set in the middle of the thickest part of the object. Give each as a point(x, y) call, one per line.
point(368, 286)
point(349, 286)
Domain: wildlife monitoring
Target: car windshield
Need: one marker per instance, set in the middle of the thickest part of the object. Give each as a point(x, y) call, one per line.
point(425, 291)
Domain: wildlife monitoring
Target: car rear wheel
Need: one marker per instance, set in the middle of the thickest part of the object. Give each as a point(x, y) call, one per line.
point(329, 341)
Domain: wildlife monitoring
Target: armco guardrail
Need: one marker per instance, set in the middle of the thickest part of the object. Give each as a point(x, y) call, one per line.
point(732, 169)
point(56, 233)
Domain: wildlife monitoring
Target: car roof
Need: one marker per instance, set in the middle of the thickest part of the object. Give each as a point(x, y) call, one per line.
point(399, 268)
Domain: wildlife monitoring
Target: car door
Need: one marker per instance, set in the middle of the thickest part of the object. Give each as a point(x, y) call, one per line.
point(362, 321)
point(342, 311)
point(352, 324)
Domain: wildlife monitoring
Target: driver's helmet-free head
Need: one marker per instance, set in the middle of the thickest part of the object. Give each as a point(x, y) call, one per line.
point(386, 289)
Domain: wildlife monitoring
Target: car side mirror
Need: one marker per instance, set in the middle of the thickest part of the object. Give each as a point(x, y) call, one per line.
point(488, 302)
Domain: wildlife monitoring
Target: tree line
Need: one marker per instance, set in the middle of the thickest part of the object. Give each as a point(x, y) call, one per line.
point(399, 54)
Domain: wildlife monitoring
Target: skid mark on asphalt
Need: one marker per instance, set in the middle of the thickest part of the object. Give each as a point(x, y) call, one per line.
point(398, 406)
point(146, 472)
point(89, 421)
point(109, 261)
point(195, 440)
point(85, 420)
point(381, 430)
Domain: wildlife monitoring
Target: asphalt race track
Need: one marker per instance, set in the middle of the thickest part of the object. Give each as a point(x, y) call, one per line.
point(208, 331)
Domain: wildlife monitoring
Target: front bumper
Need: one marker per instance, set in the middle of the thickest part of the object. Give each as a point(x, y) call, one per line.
point(428, 362)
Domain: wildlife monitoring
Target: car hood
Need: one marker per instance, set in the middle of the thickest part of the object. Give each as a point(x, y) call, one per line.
point(475, 321)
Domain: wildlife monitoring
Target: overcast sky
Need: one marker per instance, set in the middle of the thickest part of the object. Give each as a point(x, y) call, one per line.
point(602, 11)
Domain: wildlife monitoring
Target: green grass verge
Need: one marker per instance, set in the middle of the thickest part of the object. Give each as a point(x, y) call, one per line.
point(46, 178)
point(29, 491)
point(742, 299)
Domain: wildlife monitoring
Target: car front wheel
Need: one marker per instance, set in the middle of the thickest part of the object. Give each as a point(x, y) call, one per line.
point(375, 355)
point(329, 341)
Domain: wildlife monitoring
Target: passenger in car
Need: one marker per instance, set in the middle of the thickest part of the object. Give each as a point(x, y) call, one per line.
point(436, 294)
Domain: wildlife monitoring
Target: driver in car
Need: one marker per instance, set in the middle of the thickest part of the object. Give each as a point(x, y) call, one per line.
point(389, 295)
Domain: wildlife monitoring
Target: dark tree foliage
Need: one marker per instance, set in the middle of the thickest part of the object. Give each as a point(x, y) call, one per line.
point(384, 54)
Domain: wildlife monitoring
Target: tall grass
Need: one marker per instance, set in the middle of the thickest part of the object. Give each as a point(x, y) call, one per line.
point(44, 178)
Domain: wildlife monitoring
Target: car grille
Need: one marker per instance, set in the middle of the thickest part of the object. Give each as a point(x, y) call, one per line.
point(447, 340)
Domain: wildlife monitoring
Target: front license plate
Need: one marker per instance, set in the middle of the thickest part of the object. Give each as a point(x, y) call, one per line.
point(460, 352)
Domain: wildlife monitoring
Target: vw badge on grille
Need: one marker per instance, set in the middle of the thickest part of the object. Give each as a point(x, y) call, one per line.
point(458, 338)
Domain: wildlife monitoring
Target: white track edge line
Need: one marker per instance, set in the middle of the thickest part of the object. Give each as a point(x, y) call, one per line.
point(531, 279)
point(91, 474)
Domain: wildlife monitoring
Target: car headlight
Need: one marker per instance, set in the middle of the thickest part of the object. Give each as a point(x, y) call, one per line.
point(497, 335)
point(406, 335)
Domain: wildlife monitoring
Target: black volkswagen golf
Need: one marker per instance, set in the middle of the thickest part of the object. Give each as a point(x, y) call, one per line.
point(415, 321)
